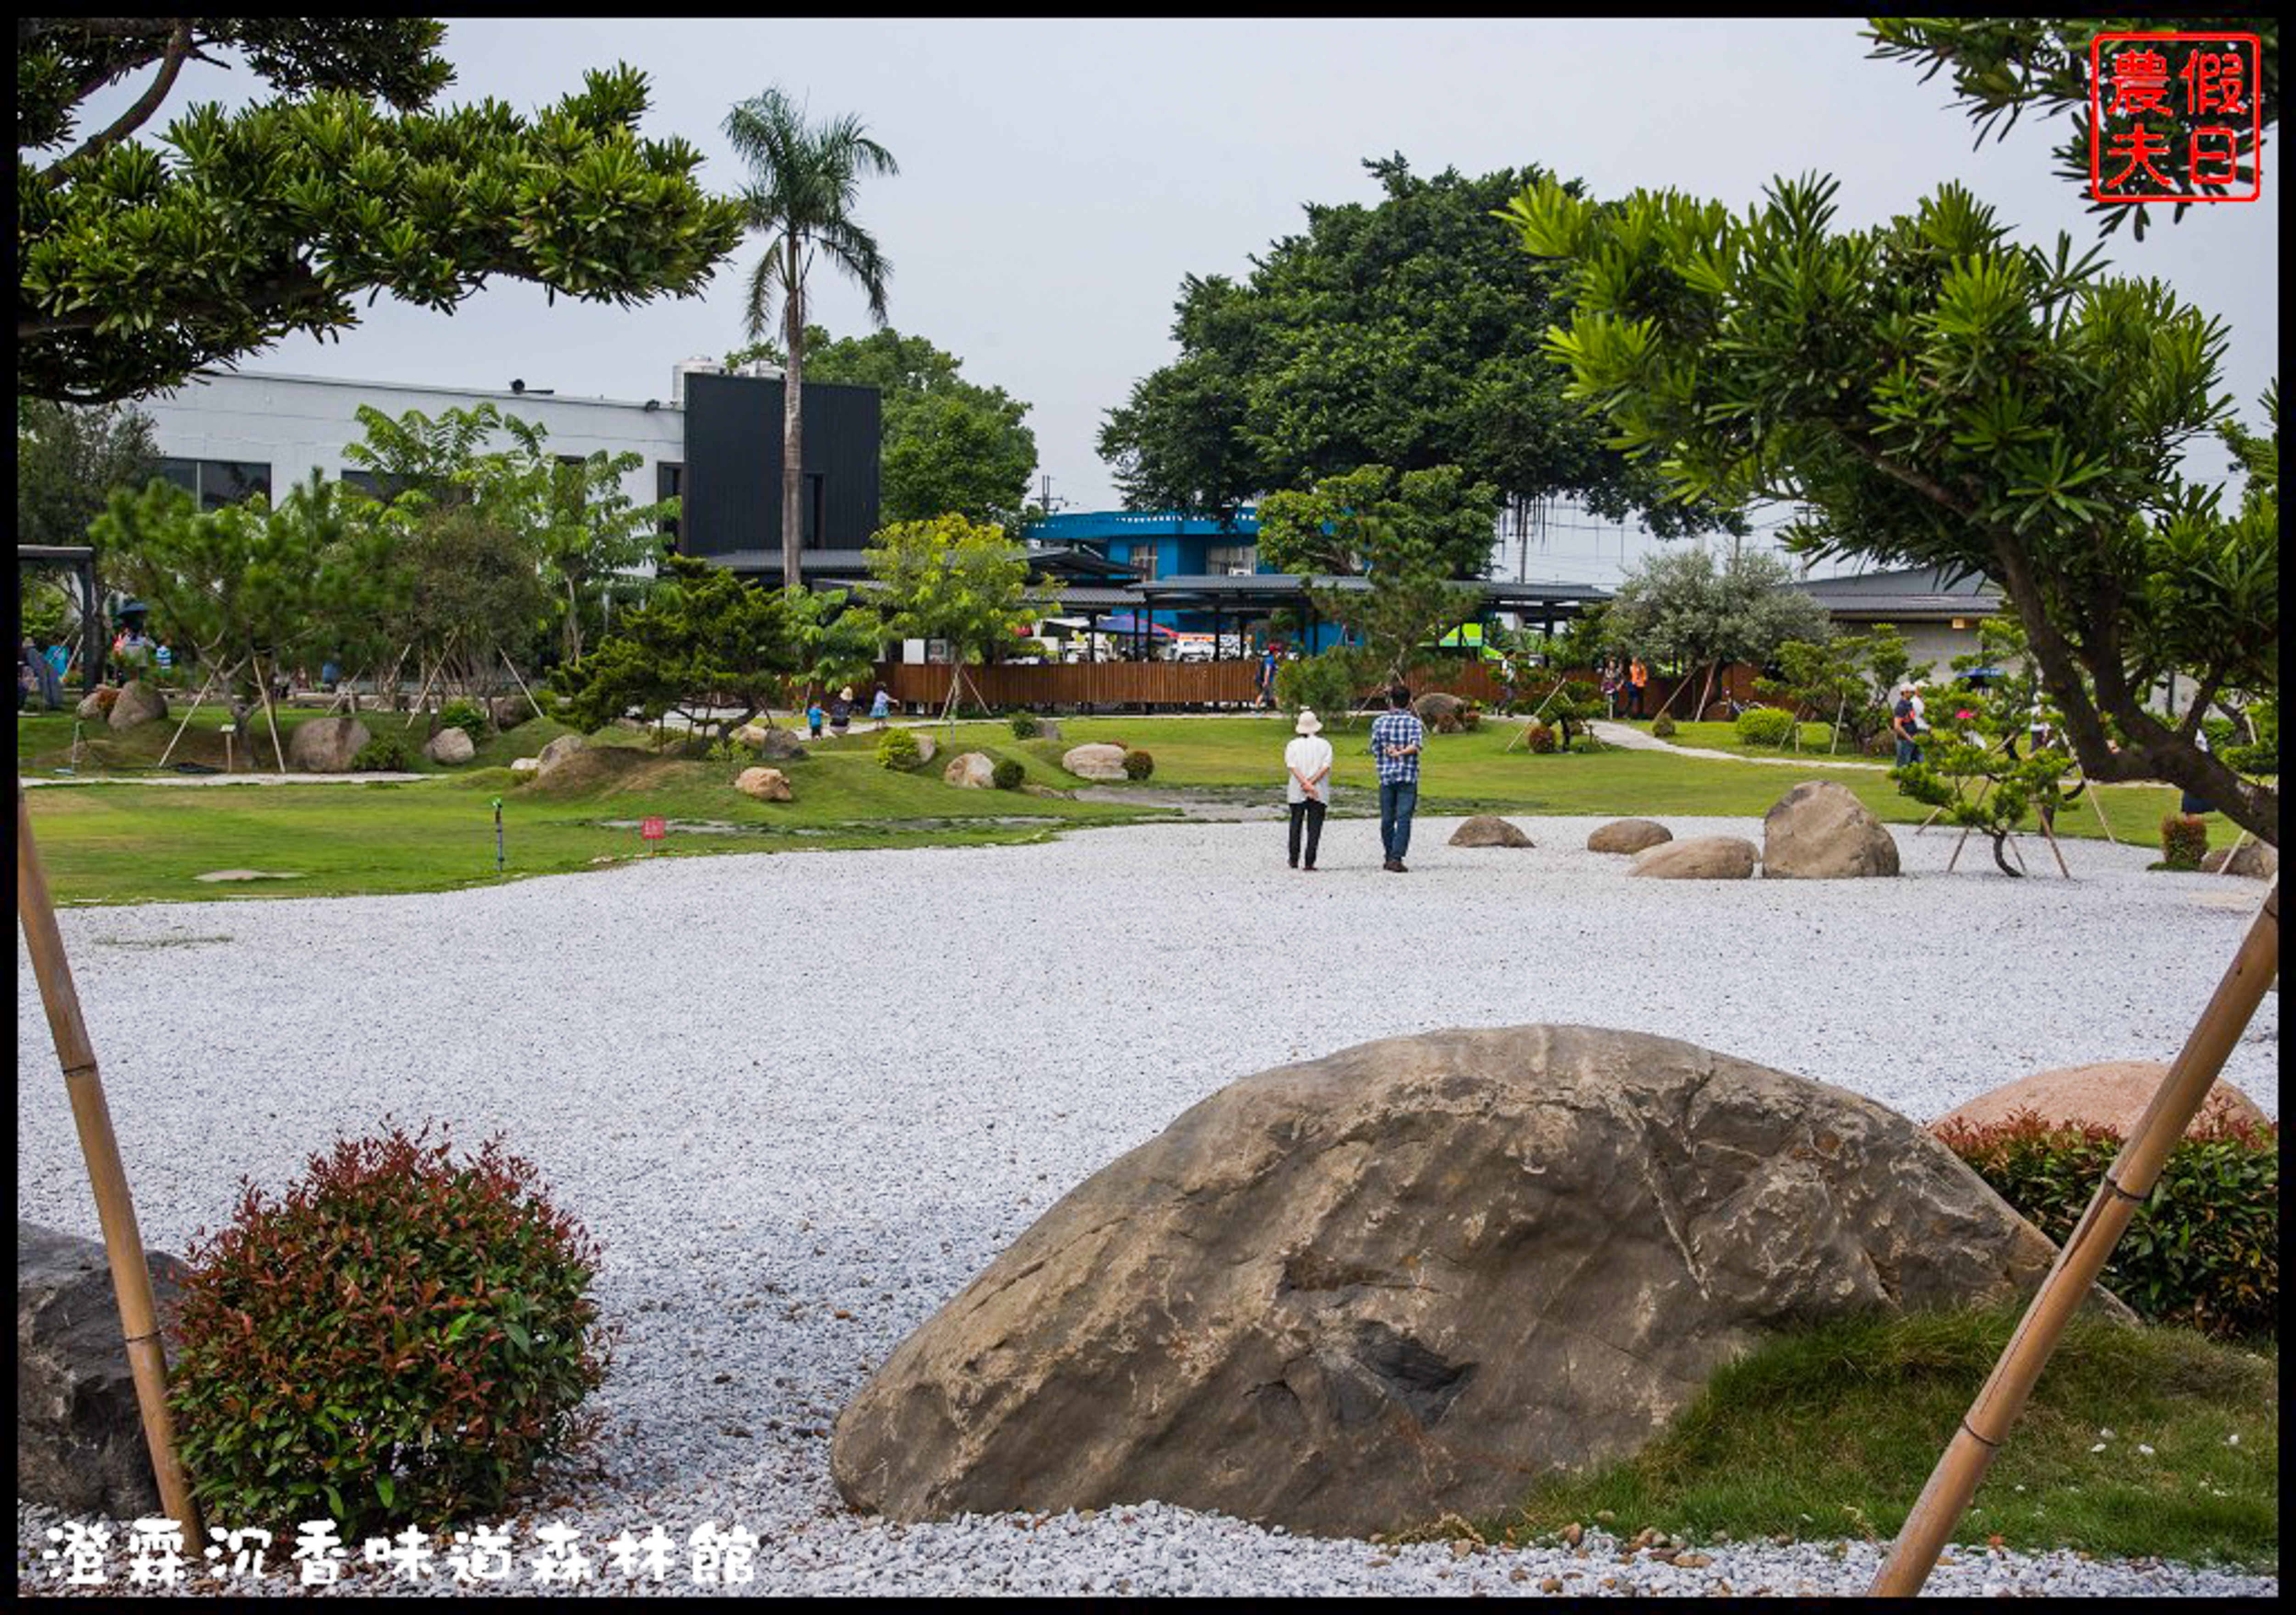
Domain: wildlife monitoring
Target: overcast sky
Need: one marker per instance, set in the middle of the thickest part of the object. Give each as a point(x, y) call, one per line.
point(1059, 177)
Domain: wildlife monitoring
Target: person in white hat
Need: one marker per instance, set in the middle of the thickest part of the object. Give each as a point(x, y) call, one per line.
point(1308, 763)
point(1906, 724)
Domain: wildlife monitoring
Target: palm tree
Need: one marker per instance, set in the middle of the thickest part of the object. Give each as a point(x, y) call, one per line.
point(801, 193)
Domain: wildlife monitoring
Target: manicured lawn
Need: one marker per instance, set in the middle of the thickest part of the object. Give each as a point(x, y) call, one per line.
point(1831, 1432)
point(1724, 738)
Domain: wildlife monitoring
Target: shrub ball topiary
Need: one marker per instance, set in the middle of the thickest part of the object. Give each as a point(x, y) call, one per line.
point(1765, 726)
point(402, 1338)
point(386, 754)
point(1025, 727)
point(897, 748)
point(1542, 738)
point(1662, 727)
point(1138, 765)
point(2203, 1250)
point(465, 716)
point(1008, 773)
point(2184, 840)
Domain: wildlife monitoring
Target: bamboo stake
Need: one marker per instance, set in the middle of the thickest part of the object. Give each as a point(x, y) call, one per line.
point(2238, 842)
point(522, 690)
point(2050, 831)
point(424, 693)
point(263, 688)
point(2174, 1104)
point(115, 1207)
point(205, 685)
point(2102, 823)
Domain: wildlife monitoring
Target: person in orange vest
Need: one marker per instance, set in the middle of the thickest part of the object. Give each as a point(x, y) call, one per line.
point(1637, 679)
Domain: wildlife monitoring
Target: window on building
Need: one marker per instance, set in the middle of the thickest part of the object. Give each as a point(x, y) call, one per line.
point(216, 483)
point(1222, 560)
point(669, 483)
point(812, 516)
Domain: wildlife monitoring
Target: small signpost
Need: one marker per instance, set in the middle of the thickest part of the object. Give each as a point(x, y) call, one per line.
point(498, 836)
point(652, 830)
point(230, 764)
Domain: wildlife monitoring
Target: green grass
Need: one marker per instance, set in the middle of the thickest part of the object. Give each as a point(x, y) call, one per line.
point(1724, 738)
point(1831, 1432)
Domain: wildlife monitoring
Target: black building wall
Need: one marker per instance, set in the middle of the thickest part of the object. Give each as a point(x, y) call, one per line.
point(732, 481)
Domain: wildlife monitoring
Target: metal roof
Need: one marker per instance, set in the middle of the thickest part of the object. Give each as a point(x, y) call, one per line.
point(1910, 591)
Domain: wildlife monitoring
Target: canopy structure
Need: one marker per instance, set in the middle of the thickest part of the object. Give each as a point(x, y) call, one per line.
point(79, 558)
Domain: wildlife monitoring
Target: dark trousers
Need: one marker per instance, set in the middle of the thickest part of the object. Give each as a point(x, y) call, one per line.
point(1398, 801)
point(1311, 814)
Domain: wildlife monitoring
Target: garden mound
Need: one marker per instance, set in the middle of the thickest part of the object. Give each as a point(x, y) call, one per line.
point(605, 771)
point(1354, 1295)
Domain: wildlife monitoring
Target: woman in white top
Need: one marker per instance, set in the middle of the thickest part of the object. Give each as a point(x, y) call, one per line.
point(1308, 787)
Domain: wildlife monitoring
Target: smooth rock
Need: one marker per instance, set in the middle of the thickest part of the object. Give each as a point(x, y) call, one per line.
point(326, 745)
point(764, 784)
point(1627, 835)
point(526, 765)
point(1438, 710)
point(1096, 760)
point(557, 752)
point(508, 712)
point(2110, 1094)
point(1700, 858)
point(91, 707)
point(217, 877)
point(1048, 729)
point(1489, 830)
point(1356, 1293)
point(451, 746)
point(1820, 831)
point(974, 770)
point(79, 1433)
point(928, 748)
point(777, 745)
point(139, 703)
point(2252, 859)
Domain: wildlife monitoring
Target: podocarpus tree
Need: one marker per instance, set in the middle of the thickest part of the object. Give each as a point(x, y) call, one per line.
point(964, 583)
point(1684, 605)
point(704, 641)
point(139, 263)
point(1410, 535)
point(1936, 394)
point(1845, 681)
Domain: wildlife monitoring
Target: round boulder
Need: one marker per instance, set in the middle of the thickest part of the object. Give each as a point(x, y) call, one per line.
point(2251, 858)
point(2112, 1094)
point(139, 703)
point(775, 744)
point(1359, 1293)
point(1095, 761)
point(1489, 830)
point(558, 751)
point(974, 770)
point(508, 712)
point(90, 709)
point(326, 745)
point(1700, 858)
point(1820, 831)
point(1438, 711)
point(526, 765)
point(928, 748)
point(1048, 729)
point(1627, 835)
point(451, 746)
point(764, 784)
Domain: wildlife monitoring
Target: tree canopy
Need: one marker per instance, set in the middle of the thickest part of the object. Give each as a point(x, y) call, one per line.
point(1936, 394)
point(965, 583)
point(68, 462)
point(704, 640)
point(140, 262)
point(951, 447)
point(2005, 66)
point(1405, 334)
point(1683, 604)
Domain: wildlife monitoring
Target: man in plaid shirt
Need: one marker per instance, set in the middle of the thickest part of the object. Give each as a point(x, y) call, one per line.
point(1396, 737)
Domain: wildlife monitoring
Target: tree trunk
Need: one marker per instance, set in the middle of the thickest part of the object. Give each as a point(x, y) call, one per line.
point(792, 426)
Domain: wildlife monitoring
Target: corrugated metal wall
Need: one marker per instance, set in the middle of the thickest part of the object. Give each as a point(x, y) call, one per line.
point(733, 463)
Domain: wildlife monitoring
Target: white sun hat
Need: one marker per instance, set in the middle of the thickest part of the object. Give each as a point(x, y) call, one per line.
point(1308, 724)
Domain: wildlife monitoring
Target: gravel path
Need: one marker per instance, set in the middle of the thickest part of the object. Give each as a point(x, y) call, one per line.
point(803, 1099)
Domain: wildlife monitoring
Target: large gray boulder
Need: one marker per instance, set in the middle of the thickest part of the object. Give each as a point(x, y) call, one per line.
point(764, 785)
point(557, 752)
point(778, 744)
point(451, 746)
point(1352, 1295)
point(974, 770)
point(1700, 858)
point(1048, 729)
point(1489, 830)
point(508, 712)
point(2250, 858)
point(1438, 710)
point(1627, 835)
point(1095, 760)
point(79, 1435)
point(90, 709)
point(139, 703)
point(326, 745)
point(1820, 831)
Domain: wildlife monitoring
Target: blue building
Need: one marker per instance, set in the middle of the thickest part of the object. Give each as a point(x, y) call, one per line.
point(1175, 549)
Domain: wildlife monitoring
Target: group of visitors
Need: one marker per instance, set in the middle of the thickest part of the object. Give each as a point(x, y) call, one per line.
point(1909, 721)
point(1624, 686)
point(1396, 739)
point(840, 712)
point(40, 675)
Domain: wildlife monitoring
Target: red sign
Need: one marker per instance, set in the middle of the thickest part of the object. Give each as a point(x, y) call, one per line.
point(654, 829)
point(2174, 117)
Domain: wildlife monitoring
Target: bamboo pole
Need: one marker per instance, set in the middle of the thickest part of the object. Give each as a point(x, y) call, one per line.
point(2102, 823)
point(522, 690)
point(115, 1207)
point(205, 685)
point(2174, 1104)
point(263, 688)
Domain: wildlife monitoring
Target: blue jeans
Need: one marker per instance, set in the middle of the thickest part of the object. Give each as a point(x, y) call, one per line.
point(1907, 752)
point(1398, 801)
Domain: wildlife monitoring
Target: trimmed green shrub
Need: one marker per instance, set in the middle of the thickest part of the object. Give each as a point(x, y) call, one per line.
point(897, 748)
point(1138, 765)
point(465, 716)
point(1025, 727)
point(385, 754)
point(1662, 727)
point(1327, 683)
point(2204, 1249)
point(1765, 726)
point(402, 1337)
point(1541, 739)
point(2184, 840)
point(1008, 773)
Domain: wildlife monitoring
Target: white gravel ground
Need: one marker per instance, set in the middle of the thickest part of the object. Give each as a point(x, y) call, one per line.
point(802, 1099)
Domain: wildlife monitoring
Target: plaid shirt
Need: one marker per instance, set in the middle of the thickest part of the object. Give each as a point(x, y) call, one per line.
point(1391, 730)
